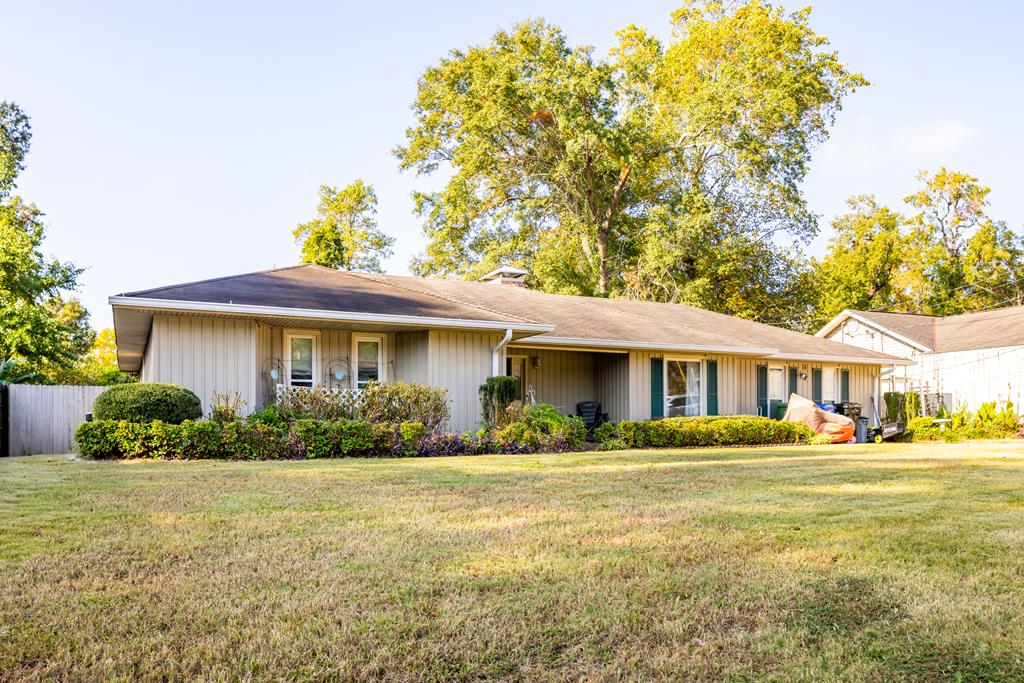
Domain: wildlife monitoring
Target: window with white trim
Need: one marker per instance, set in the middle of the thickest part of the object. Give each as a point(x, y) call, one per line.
point(369, 353)
point(683, 390)
point(302, 358)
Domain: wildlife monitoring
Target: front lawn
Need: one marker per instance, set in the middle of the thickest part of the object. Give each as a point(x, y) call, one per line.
point(893, 562)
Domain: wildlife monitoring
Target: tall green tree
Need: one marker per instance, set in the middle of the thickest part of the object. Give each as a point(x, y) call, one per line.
point(950, 207)
point(948, 257)
point(605, 176)
point(344, 233)
point(865, 267)
point(15, 138)
point(37, 325)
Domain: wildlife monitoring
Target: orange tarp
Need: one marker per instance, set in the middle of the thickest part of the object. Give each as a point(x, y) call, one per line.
point(838, 428)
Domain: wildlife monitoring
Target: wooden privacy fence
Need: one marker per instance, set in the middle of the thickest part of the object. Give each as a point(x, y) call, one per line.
point(43, 419)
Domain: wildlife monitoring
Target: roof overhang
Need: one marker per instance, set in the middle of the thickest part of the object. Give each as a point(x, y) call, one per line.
point(581, 344)
point(847, 314)
point(628, 345)
point(846, 360)
point(133, 319)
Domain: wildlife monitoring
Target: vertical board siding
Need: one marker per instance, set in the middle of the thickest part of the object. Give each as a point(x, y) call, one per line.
point(561, 378)
point(461, 362)
point(411, 352)
point(205, 355)
point(43, 418)
point(640, 384)
point(612, 376)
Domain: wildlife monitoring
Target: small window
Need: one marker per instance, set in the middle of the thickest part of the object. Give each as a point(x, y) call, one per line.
point(369, 361)
point(302, 360)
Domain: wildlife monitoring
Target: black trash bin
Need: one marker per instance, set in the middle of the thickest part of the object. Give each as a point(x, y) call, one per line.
point(850, 409)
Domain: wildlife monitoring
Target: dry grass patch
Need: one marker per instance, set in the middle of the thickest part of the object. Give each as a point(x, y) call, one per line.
point(895, 562)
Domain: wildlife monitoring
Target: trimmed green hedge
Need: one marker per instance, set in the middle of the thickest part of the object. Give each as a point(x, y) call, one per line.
point(720, 430)
point(147, 401)
point(246, 439)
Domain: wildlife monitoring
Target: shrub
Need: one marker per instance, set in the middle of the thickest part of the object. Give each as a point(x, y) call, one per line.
point(990, 422)
point(445, 443)
point(404, 402)
point(226, 407)
point(317, 403)
point(496, 395)
point(147, 401)
point(606, 432)
point(540, 427)
point(356, 437)
point(201, 440)
point(133, 438)
point(268, 416)
point(245, 440)
point(391, 402)
point(615, 444)
point(319, 439)
point(411, 433)
point(725, 430)
point(97, 439)
point(164, 440)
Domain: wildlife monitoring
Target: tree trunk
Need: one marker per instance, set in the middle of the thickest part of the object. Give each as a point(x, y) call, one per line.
point(602, 259)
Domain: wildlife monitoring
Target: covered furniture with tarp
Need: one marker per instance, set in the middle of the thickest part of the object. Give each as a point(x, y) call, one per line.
point(838, 428)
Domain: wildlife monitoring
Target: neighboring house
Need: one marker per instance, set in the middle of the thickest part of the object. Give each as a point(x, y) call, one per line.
point(957, 360)
point(307, 325)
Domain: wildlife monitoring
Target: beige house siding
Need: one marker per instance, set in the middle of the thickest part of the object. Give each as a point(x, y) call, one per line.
point(640, 384)
point(411, 356)
point(612, 380)
point(561, 378)
point(205, 355)
point(461, 362)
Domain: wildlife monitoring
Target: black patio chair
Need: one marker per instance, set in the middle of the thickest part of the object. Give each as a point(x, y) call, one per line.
point(590, 413)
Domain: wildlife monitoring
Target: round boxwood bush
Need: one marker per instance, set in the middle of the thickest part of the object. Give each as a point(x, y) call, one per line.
point(147, 401)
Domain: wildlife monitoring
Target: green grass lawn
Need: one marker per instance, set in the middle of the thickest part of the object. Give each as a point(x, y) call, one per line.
point(894, 562)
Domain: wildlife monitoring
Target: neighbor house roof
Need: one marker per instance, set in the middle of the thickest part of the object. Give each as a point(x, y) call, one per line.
point(311, 291)
point(964, 332)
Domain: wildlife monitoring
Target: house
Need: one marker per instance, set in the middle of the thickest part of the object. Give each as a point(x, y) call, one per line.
point(306, 325)
point(956, 360)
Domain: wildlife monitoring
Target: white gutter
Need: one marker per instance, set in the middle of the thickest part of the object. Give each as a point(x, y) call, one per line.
point(496, 353)
point(317, 314)
point(639, 345)
point(854, 360)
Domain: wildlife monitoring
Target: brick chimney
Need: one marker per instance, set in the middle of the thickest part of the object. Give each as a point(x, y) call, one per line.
point(506, 275)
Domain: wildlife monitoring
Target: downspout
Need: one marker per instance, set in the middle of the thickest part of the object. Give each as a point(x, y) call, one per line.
point(496, 353)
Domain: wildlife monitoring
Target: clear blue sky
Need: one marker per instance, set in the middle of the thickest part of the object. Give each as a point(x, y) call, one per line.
point(182, 142)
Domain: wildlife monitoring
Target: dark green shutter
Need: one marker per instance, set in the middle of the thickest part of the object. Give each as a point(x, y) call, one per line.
point(657, 388)
point(792, 382)
point(816, 385)
point(762, 390)
point(844, 385)
point(712, 366)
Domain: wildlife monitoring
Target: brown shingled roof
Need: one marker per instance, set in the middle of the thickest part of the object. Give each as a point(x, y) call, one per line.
point(612, 322)
point(314, 287)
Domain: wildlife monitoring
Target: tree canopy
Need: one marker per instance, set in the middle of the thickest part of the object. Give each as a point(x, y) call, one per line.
point(947, 257)
point(37, 325)
point(664, 171)
point(344, 233)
